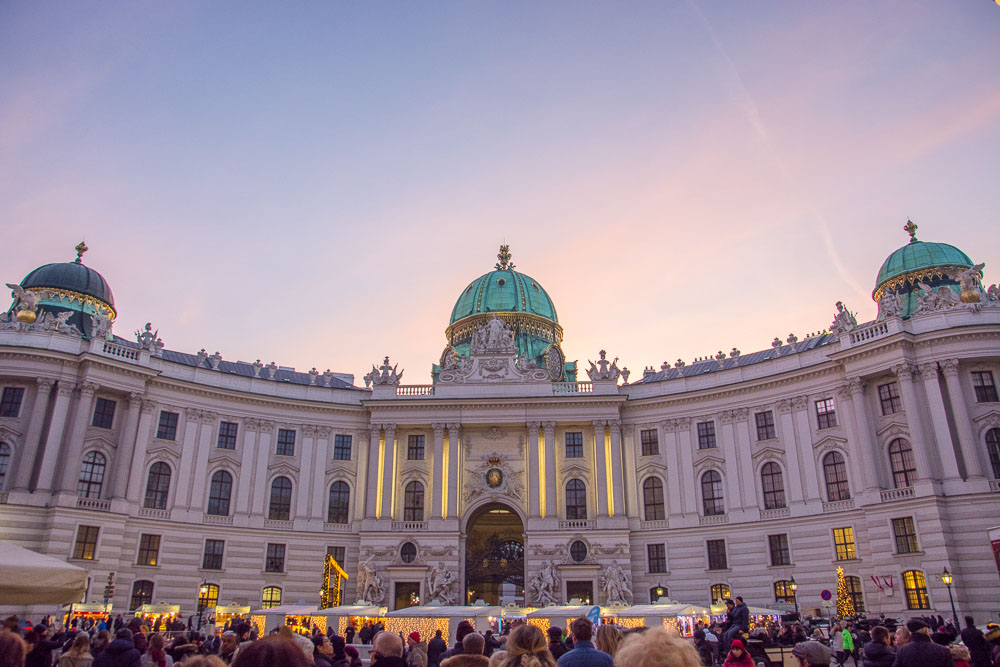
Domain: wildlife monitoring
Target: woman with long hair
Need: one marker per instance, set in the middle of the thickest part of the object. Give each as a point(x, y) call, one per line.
point(157, 655)
point(526, 647)
point(79, 654)
point(608, 638)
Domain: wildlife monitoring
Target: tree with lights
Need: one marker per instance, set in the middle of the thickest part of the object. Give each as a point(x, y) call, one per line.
point(845, 603)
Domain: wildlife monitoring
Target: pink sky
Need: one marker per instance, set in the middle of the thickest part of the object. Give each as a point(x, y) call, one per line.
point(316, 187)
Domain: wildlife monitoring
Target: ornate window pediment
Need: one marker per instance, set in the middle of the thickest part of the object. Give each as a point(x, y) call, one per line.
point(830, 441)
point(282, 468)
point(163, 452)
point(987, 421)
point(9, 435)
point(651, 466)
point(712, 461)
point(769, 453)
point(894, 429)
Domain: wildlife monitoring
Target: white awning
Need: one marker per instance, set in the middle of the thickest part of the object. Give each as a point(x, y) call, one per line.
point(28, 577)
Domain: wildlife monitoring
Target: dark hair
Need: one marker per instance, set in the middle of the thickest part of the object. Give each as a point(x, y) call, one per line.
point(31, 637)
point(699, 634)
point(272, 650)
point(969, 621)
point(582, 629)
point(242, 628)
point(437, 633)
point(880, 633)
point(740, 598)
point(124, 633)
point(555, 634)
point(12, 648)
point(463, 629)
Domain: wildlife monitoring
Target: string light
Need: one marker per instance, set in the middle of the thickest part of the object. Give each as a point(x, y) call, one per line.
point(540, 623)
point(425, 626)
point(845, 604)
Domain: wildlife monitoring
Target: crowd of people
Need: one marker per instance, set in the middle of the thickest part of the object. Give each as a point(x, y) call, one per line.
point(730, 644)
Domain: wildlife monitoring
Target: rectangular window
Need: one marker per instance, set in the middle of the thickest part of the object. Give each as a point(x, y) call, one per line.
point(657, 554)
point(843, 540)
point(338, 553)
point(275, 561)
point(706, 435)
point(342, 447)
point(10, 403)
point(286, 442)
point(104, 413)
point(986, 391)
point(888, 396)
point(86, 542)
point(415, 448)
point(780, 554)
point(765, 425)
point(149, 550)
point(227, 435)
point(650, 442)
point(167, 428)
point(574, 445)
point(826, 413)
point(906, 535)
point(717, 555)
point(212, 560)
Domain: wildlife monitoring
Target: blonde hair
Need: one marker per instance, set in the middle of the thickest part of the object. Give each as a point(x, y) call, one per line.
point(656, 648)
point(204, 661)
point(608, 637)
point(497, 658)
point(80, 647)
point(526, 647)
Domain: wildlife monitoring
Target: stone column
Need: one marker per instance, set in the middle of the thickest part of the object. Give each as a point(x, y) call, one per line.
point(686, 448)
point(359, 459)
point(72, 457)
point(939, 421)
point(25, 461)
point(918, 439)
point(616, 505)
point(975, 465)
point(631, 508)
point(189, 447)
point(533, 472)
point(438, 479)
point(374, 464)
point(318, 492)
point(388, 471)
point(199, 487)
point(250, 429)
point(126, 447)
point(135, 491)
point(668, 441)
point(862, 431)
point(304, 487)
point(454, 469)
point(51, 453)
point(260, 494)
point(600, 468)
point(551, 474)
point(804, 443)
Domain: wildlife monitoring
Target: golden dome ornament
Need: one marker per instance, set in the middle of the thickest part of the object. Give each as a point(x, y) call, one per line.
point(27, 303)
point(26, 316)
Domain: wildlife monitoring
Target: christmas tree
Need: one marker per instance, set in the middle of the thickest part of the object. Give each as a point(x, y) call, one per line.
point(845, 603)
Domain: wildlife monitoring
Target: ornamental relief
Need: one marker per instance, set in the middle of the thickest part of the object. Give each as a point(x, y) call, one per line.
point(649, 465)
point(494, 477)
point(987, 421)
point(827, 442)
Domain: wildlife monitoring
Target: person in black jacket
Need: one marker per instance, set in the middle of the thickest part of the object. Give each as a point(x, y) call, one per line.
point(119, 653)
point(921, 651)
point(704, 650)
point(975, 641)
point(556, 645)
point(464, 628)
point(877, 652)
point(436, 648)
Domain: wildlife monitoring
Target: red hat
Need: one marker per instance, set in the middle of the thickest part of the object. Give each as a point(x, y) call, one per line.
point(736, 643)
point(415, 636)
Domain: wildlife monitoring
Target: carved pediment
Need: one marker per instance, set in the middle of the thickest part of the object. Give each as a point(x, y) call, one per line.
point(8, 434)
point(651, 466)
point(575, 470)
point(989, 420)
point(283, 468)
point(492, 359)
point(229, 455)
point(830, 440)
point(769, 452)
point(893, 430)
point(101, 442)
point(709, 461)
point(163, 452)
point(495, 477)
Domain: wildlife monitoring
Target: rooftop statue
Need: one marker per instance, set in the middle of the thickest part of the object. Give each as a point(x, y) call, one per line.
point(384, 374)
point(604, 369)
point(844, 320)
point(27, 303)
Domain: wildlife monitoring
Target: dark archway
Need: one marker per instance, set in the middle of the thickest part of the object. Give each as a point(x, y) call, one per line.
point(494, 556)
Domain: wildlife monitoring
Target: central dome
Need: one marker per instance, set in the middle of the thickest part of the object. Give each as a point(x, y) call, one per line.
point(504, 291)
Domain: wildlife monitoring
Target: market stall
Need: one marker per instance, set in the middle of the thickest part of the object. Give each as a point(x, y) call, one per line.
point(158, 616)
point(559, 615)
point(29, 578)
point(429, 618)
point(228, 613)
point(299, 617)
point(82, 611)
point(672, 615)
point(511, 614)
point(763, 615)
point(356, 615)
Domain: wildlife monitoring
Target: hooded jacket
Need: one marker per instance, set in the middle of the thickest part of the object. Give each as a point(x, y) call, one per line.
point(877, 654)
point(119, 653)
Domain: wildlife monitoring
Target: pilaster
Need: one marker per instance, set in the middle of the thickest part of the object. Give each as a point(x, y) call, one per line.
point(939, 421)
point(454, 469)
point(72, 457)
point(388, 471)
point(616, 504)
point(438, 480)
point(51, 453)
point(551, 477)
point(921, 445)
point(601, 482)
point(123, 462)
point(374, 465)
point(533, 468)
point(25, 461)
point(135, 491)
point(972, 454)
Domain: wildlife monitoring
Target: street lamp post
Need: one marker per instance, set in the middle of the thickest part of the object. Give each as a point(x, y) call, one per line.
point(659, 591)
point(202, 601)
point(795, 596)
point(947, 578)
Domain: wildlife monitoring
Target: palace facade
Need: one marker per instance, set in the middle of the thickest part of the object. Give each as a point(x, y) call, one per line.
point(872, 447)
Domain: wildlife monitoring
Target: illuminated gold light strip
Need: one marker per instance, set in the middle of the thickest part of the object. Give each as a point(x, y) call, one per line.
point(444, 476)
point(381, 469)
point(392, 480)
point(540, 441)
point(914, 277)
point(607, 473)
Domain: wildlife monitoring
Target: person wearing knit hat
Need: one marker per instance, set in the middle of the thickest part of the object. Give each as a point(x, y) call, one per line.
point(738, 655)
point(416, 651)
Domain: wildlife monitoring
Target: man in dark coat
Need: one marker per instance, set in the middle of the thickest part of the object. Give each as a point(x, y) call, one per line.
point(974, 640)
point(921, 651)
point(584, 653)
point(119, 653)
point(556, 646)
point(464, 628)
point(436, 648)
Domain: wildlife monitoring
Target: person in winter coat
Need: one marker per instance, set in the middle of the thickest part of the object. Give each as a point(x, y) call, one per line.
point(921, 651)
point(847, 646)
point(738, 655)
point(120, 653)
point(416, 651)
point(556, 645)
point(78, 654)
point(473, 645)
point(463, 629)
point(975, 640)
point(877, 652)
point(156, 654)
point(960, 655)
point(349, 635)
point(436, 648)
point(704, 650)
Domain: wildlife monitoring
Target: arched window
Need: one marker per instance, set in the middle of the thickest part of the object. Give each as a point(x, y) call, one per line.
point(91, 476)
point(142, 593)
point(576, 500)
point(711, 493)
point(904, 471)
point(281, 499)
point(853, 585)
point(835, 473)
point(219, 493)
point(774, 487)
point(157, 486)
point(340, 501)
point(208, 596)
point(270, 597)
point(993, 446)
point(720, 592)
point(652, 499)
point(413, 502)
point(783, 591)
point(915, 588)
point(4, 461)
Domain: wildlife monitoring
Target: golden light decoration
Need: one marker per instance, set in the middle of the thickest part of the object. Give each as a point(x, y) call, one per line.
point(628, 622)
point(540, 623)
point(333, 575)
point(670, 624)
point(425, 626)
point(260, 621)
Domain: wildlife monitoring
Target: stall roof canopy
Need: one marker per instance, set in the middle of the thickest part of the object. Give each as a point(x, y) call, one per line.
point(289, 610)
point(667, 610)
point(28, 577)
point(370, 611)
point(446, 611)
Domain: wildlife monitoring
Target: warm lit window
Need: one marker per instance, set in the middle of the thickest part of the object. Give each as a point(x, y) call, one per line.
point(773, 486)
point(286, 442)
point(91, 476)
point(275, 559)
point(906, 535)
point(337, 510)
point(104, 413)
point(904, 470)
point(208, 596)
point(853, 585)
point(986, 390)
point(167, 428)
point(765, 425)
point(650, 442)
point(212, 558)
point(826, 413)
point(778, 544)
point(835, 474)
point(717, 555)
point(652, 499)
point(888, 396)
point(10, 402)
point(706, 435)
point(783, 592)
point(270, 597)
point(219, 492)
point(915, 588)
point(341, 447)
point(574, 445)
point(86, 542)
point(157, 486)
point(720, 592)
point(142, 593)
point(149, 550)
point(711, 493)
point(415, 448)
point(657, 554)
point(227, 435)
point(843, 540)
point(576, 500)
point(413, 502)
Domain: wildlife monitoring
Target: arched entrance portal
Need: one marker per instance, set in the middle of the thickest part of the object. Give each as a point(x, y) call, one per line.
point(494, 556)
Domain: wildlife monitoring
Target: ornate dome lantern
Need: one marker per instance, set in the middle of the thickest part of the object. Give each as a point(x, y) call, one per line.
point(897, 286)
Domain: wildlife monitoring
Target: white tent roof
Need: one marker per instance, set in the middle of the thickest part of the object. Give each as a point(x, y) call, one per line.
point(446, 611)
point(352, 610)
point(288, 610)
point(763, 611)
point(28, 577)
point(667, 610)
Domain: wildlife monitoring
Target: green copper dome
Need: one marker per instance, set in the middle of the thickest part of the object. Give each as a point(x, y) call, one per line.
point(504, 291)
point(72, 277)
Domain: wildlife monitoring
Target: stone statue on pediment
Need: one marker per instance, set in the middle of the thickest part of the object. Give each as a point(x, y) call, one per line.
point(844, 320)
point(494, 337)
point(604, 369)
